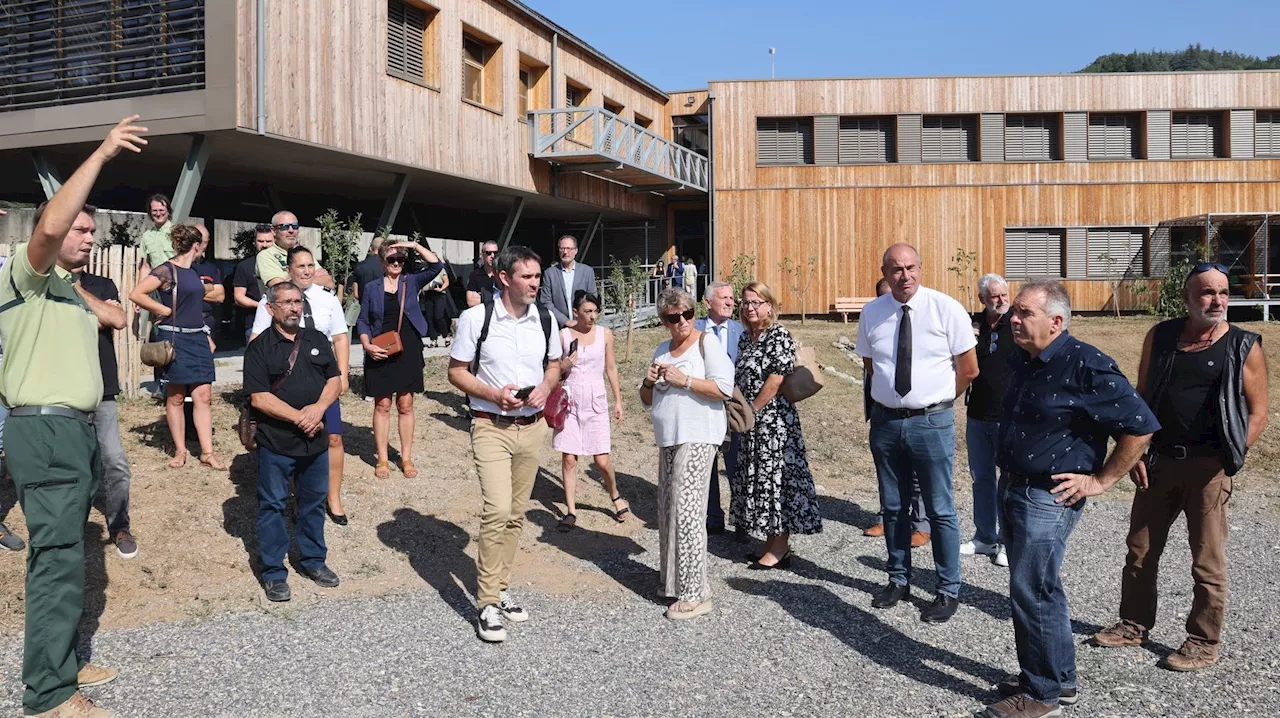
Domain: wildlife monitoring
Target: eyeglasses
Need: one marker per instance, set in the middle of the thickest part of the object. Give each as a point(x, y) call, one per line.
point(754, 303)
point(494, 253)
point(395, 259)
point(288, 303)
point(291, 225)
point(675, 318)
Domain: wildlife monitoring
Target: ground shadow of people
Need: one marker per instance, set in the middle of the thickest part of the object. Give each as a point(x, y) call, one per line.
point(95, 587)
point(611, 554)
point(848, 512)
point(437, 551)
point(457, 416)
point(640, 495)
point(8, 492)
point(873, 638)
point(240, 512)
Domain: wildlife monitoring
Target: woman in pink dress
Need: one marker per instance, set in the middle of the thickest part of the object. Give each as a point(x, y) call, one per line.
point(586, 425)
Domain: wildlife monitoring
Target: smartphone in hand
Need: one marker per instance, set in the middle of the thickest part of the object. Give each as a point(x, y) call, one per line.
point(524, 393)
point(573, 346)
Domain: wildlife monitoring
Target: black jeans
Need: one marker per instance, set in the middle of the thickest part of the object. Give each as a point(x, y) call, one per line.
point(435, 309)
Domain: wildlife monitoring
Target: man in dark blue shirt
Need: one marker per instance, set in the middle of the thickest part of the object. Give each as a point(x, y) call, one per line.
point(1065, 399)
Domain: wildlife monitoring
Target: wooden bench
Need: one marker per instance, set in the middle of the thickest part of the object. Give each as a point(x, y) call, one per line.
point(851, 305)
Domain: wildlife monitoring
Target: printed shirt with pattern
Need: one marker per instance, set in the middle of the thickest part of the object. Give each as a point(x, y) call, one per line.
point(1062, 406)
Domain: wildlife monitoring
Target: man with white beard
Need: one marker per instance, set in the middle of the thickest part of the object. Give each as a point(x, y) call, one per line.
point(995, 343)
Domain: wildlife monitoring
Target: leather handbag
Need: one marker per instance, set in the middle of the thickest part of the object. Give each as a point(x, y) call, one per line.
point(557, 408)
point(247, 426)
point(390, 341)
point(163, 353)
point(806, 379)
point(737, 410)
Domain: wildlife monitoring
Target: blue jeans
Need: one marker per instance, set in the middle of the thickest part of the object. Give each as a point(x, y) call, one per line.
point(980, 439)
point(1036, 531)
point(715, 513)
point(114, 482)
point(311, 482)
point(923, 446)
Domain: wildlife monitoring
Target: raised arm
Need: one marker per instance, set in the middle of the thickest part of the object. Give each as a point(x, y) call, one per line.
point(1255, 391)
point(109, 313)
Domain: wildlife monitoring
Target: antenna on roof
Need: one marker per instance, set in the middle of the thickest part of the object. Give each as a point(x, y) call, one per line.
point(772, 51)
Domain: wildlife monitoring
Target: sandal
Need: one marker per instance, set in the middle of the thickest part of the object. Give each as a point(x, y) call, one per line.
point(179, 460)
point(410, 471)
point(212, 462)
point(382, 470)
point(620, 514)
point(567, 523)
point(684, 610)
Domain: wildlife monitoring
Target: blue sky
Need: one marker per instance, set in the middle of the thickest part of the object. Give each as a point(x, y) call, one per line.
point(682, 44)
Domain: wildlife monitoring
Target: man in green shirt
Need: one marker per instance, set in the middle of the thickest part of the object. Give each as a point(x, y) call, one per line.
point(52, 383)
point(273, 262)
point(155, 247)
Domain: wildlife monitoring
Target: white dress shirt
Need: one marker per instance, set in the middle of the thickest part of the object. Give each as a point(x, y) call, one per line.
point(728, 332)
point(327, 316)
point(940, 331)
point(683, 417)
point(511, 354)
point(567, 276)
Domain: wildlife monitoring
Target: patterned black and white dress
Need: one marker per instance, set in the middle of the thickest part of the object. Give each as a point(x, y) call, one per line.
point(773, 488)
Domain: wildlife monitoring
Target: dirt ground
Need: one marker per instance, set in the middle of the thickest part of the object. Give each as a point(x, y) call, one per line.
point(195, 526)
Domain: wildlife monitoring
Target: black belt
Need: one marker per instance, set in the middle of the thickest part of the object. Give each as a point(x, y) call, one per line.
point(63, 411)
point(1182, 452)
point(499, 419)
point(908, 413)
point(1032, 479)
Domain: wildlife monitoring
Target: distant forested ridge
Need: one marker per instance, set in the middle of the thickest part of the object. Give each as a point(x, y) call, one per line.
point(1194, 57)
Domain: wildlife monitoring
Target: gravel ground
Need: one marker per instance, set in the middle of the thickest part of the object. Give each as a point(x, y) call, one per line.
point(799, 643)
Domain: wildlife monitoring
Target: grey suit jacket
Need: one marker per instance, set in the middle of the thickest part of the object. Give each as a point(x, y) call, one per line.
point(551, 294)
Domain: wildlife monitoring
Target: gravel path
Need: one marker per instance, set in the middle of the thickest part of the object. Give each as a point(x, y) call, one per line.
point(803, 643)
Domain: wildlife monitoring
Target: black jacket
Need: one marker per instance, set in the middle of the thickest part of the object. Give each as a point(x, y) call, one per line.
point(1233, 411)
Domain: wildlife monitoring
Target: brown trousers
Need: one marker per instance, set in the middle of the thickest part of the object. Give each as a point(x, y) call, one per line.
point(506, 457)
point(1199, 488)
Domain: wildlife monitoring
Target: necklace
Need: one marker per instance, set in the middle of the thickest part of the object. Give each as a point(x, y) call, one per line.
point(1189, 343)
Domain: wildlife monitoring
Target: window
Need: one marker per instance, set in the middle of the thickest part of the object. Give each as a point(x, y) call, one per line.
point(575, 95)
point(689, 131)
point(1033, 253)
point(1032, 138)
point(1115, 136)
point(1116, 252)
point(531, 87)
point(950, 138)
point(784, 140)
point(481, 77)
point(526, 87)
point(1266, 134)
point(411, 43)
point(867, 139)
point(1194, 135)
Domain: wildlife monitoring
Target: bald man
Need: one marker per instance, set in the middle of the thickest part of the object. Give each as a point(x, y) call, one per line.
point(273, 262)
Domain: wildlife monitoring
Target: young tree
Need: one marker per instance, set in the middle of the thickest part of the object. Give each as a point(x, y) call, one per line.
point(965, 266)
point(623, 291)
point(799, 277)
point(338, 243)
point(741, 271)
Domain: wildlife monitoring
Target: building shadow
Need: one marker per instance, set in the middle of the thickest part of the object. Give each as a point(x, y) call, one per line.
point(861, 631)
point(611, 554)
point(95, 587)
point(437, 551)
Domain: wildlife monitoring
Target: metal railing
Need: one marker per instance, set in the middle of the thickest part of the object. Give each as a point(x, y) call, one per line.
point(594, 132)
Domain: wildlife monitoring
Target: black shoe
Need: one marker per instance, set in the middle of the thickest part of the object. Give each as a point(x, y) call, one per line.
point(890, 595)
point(321, 574)
point(1012, 687)
point(10, 542)
point(339, 519)
point(941, 610)
point(783, 563)
point(278, 591)
point(715, 529)
point(740, 534)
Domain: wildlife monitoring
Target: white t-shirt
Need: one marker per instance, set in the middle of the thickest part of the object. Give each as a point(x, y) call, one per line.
point(683, 417)
point(327, 316)
point(511, 354)
point(940, 330)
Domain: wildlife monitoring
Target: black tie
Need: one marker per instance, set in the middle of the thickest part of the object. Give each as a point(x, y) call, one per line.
point(902, 368)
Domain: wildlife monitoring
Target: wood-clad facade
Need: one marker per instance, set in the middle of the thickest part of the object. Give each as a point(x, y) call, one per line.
point(844, 210)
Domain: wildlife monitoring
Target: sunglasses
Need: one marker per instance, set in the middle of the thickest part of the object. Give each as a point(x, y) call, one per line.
point(291, 225)
point(491, 254)
point(1206, 266)
point(261, 228)
point(395, 259)
point(675, 318)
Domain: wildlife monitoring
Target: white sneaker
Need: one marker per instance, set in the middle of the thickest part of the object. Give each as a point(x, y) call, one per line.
point(489, 625)
point(970, 548)
point(510, 610)
point(1001, 558)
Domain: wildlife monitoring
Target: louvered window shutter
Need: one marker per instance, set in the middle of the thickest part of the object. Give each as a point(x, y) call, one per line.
point(1077, 253)
point(1266, 134)
point(405, 52)
point(826, 139)
point(1031, 138)
point(1113, 136)
point(909, 138)
point(766, 141)
point(1161, 247)
point(1242, 128)
point(866, 139)
point(992, 128)
point(949, 139)
point(1195, 135)
point(1075, 136)
point(1158, 134)
point(1123, 248)
point(1033, 253)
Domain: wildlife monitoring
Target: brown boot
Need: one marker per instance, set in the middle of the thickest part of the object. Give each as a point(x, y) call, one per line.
point(1021, 706)
point(919, 538)
point(77, 706)
point(1124, 633)
point(92, 675)
point(876, 531)
point(1192, 656)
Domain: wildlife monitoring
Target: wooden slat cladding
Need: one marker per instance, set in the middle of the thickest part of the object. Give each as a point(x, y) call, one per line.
point(329, 86)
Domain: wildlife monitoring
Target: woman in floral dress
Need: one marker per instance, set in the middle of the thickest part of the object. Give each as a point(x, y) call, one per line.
point(773, 491)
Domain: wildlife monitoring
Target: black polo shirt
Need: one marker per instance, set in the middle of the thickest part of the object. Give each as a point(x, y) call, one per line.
point(265, 361)
point(482, 284)
point(246, 275)
point(105, 290)
point(209, 274)
point(994, 347)
point(365, 271)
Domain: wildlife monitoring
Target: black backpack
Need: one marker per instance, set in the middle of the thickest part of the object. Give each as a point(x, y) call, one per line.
point(543, 317)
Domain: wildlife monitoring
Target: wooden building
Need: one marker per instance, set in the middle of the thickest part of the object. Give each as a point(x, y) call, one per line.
point(1075, 176)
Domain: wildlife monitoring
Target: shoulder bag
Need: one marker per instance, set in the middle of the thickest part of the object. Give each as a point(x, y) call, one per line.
point(738, 411)
point(390, 341)
point(806, 379)
point(247, 427)
point(162, 353)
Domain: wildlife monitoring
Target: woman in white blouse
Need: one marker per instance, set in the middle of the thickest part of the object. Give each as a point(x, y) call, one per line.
point(686, 387)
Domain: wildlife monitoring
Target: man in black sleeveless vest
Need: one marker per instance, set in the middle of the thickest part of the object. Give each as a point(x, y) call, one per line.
point(1207, 383)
